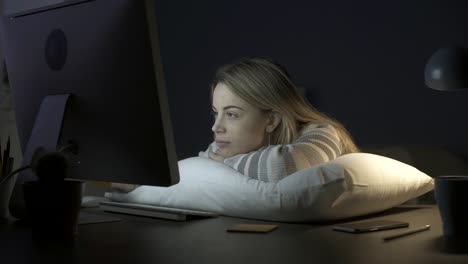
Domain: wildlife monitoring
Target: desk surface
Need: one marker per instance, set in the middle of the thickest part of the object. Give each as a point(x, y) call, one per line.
point(146, 240)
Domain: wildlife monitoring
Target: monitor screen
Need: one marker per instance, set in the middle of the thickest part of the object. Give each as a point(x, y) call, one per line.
point(103, 56)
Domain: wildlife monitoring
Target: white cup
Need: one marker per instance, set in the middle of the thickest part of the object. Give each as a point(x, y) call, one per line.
point(6, 189)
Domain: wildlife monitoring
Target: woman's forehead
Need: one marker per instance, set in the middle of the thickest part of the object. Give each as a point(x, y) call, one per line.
point(222, 97)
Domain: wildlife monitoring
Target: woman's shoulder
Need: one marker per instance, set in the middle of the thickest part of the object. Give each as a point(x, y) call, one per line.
point(324, 133)
point(317, 128)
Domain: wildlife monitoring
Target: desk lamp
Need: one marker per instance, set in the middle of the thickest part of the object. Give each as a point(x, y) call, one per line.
point(447, 70)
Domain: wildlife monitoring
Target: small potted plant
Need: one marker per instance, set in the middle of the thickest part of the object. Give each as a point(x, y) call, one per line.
point(53, 201)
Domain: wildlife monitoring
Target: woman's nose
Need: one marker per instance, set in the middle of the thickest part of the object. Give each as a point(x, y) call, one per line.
point(218, 126)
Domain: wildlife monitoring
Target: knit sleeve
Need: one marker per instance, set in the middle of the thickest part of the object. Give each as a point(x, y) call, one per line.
point(204, 154)
point(314, 145)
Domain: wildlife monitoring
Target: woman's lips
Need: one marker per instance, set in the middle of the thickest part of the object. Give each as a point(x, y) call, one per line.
point(222, 144)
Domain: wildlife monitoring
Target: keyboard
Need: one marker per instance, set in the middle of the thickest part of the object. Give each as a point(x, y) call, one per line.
point(153, 211)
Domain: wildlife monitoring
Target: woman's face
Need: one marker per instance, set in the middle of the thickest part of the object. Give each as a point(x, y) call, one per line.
point(239, 127)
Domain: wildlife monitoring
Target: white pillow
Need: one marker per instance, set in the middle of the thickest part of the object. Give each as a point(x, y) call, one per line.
point(351, 185)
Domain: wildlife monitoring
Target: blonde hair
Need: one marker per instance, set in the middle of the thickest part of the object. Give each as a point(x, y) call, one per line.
point(267, 85)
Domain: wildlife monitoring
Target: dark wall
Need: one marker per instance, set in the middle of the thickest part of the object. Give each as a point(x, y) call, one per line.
point(361, 62)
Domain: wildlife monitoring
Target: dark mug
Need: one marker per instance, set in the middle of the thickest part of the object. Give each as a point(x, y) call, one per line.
point(451, 193)
point(53, 208)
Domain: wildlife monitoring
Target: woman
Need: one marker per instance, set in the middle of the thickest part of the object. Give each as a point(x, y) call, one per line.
point(264, 129)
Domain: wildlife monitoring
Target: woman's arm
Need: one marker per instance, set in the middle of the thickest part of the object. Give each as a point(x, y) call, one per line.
point(316, 144)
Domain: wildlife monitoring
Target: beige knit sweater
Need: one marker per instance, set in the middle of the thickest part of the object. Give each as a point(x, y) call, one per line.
point(315, 144)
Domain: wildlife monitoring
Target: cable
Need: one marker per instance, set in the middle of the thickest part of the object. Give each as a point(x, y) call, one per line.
point(13, 173)
point(46, 159)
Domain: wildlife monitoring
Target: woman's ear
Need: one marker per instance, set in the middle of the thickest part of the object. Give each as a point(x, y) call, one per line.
point(274, 118)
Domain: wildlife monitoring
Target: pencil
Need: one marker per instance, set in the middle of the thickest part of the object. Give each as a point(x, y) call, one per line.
point(1, 160)
point(11, 161)
point(409, 232)
point(6, 156)
point(8, 149)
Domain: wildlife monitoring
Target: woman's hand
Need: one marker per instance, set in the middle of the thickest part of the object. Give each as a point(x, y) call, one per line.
point(215, 156)
point(122, 187)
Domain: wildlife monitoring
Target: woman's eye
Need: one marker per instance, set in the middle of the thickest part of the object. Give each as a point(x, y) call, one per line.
point(214, 114)
point(232, 115)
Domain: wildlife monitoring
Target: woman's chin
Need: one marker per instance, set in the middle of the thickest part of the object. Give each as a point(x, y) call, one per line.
point(225, 154)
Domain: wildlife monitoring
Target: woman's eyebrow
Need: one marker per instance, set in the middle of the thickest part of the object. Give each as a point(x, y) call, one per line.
point(228, 107)
point(232, 106)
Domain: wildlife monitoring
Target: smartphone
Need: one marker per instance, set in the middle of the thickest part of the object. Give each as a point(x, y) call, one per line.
point(370, 226)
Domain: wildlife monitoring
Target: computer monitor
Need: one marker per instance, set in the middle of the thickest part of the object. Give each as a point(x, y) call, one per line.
point(90, 73)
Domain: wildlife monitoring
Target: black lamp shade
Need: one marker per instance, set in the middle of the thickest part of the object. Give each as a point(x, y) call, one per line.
point(447, 69)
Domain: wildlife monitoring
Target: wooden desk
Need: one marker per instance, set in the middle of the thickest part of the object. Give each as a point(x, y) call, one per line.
point(145, 240)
